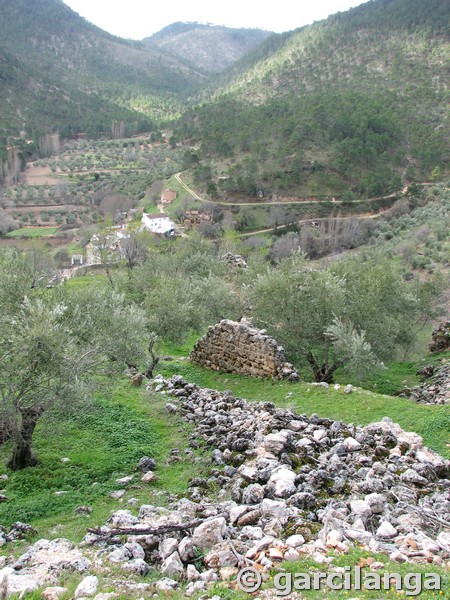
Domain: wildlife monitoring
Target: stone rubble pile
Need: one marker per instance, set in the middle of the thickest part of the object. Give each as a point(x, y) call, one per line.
point(234, 260)
point(238, 347)
point(436, 388)
point(288, 486)
point(440, 338)
point(280, 486)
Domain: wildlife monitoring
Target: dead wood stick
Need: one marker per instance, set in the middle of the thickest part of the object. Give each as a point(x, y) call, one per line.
point(100, 531)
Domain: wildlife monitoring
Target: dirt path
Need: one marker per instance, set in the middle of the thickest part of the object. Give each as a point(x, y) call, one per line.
point(276, 202)
point(315, 220)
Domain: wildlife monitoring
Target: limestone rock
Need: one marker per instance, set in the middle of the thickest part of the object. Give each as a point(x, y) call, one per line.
point(87, 588)
point(172, 565)
point(209, 533)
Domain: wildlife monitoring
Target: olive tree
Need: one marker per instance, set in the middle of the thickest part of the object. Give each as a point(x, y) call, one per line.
point(52, 344)
point(353, 313)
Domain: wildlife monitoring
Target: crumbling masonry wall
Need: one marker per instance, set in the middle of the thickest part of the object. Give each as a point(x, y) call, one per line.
point(232, 347)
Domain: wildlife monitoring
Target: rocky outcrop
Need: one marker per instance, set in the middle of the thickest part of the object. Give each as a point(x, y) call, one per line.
point(299, 486)
point(238, 347)
point(440, 338)
point(436, 388)
point(234, 260)
point(280, 486)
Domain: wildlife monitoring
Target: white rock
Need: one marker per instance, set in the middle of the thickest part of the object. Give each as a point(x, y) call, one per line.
point(294, 541)
point(227, 573)
point(283, 481)
point(194, 587)
point(275, 554)
point(167, 547)
point(136, 550)
point(172, 565)
point(292, 555)
point(274, 509)
point(209, 576)
point(251, 532)
point(398, 556)
point(276, 442)
point(386, 530)
point(358, 535)
point(360, 509)
point(237, 511)
point(444, 539)
point(88, 587)
point(209, 533)
point(248, 473)
point(430, 546)
point(191, 573)
point(119, 555)
point(333, 538)
point(376, 502)
point(124, 480)
point(166, 584)
point(186, 549)
point(15, 583)
point(320, 434)
point(352, 444)
point(138, 566)
point(149, 477)
point(117, 494)
point(53, 593)
point(412, 476)
point(260, 545)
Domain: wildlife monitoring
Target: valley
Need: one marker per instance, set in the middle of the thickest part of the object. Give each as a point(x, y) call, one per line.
point(224, 305)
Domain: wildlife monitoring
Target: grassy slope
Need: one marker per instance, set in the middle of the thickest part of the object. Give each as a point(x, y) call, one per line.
point(32, 232)
point(103, 444)
point(361, 407)
point(126, 423)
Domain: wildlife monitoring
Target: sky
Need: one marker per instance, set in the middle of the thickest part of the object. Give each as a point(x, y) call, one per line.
point(136, 19)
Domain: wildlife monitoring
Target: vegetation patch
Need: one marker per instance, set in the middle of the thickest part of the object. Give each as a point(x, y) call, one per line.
point(32, 232)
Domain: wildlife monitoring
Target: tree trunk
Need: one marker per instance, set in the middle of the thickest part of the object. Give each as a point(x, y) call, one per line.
point(154, 361)
point(22, 455)
point(323, 373)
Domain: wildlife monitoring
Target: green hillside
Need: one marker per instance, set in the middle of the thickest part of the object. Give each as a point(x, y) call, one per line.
point(59, 71)
point(356, 101)
point(212, 48)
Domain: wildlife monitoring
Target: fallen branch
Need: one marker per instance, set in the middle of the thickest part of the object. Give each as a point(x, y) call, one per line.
point(100, 531)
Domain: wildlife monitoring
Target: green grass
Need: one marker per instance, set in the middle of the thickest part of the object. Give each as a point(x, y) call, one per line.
point(83, 281)
point(32, 232)
point(352, 559)
point(151, 208)
point(361, 407)
point(398, 374)
point(103, 444)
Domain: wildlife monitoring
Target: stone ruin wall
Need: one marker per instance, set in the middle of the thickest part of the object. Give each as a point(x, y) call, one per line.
point(232, 347)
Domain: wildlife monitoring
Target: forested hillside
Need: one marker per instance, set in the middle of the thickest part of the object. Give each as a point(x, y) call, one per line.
point(357, 101)
point(209, 47)
point(58, 70)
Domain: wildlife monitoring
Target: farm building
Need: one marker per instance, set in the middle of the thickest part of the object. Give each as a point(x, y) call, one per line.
point(158, 223)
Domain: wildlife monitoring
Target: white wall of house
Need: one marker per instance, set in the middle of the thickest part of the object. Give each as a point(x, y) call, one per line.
point(158, 224)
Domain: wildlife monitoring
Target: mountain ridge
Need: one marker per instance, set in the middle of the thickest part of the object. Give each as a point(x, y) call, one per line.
point(212, 48)
point(361, 95)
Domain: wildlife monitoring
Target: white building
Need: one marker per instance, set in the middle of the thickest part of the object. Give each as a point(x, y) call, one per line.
point(158, 223)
